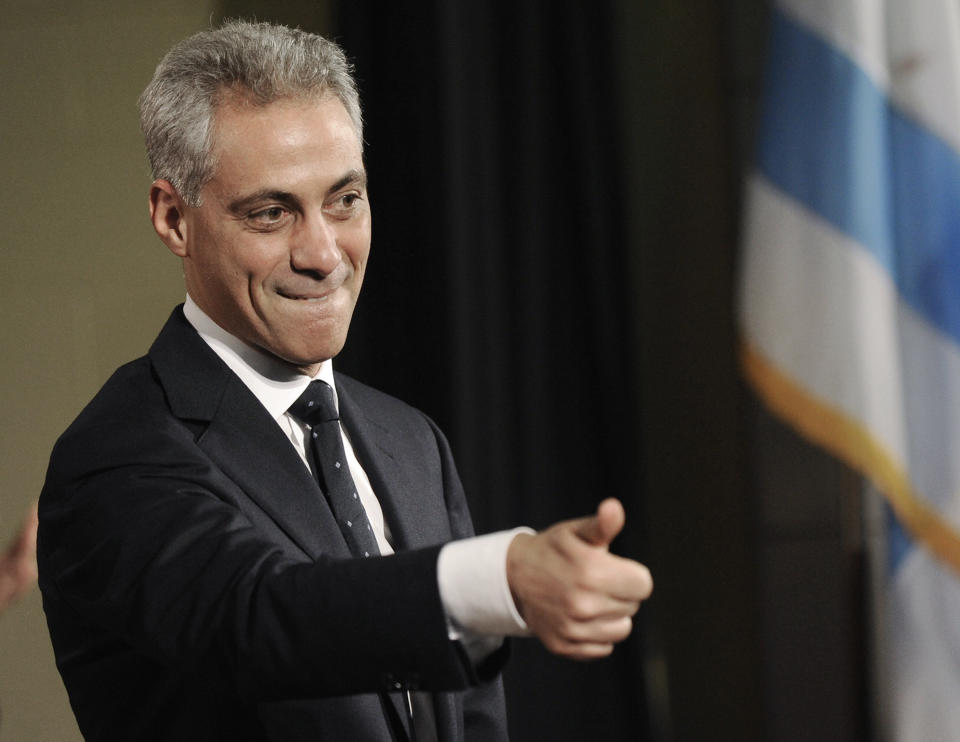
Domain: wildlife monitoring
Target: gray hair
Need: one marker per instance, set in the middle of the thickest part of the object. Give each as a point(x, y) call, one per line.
point(258, 62)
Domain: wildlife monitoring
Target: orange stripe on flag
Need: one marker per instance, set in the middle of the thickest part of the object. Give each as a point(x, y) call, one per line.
point(853, 444)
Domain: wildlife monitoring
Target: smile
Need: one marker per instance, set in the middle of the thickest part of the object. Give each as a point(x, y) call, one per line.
point(308, 297)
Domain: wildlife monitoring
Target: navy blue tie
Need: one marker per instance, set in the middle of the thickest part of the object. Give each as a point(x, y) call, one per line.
point(316, 408)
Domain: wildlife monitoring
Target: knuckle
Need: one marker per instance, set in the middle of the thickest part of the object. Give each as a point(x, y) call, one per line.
point(593, 572)
point(579, 607)
point(556, 644)
point(567, 629)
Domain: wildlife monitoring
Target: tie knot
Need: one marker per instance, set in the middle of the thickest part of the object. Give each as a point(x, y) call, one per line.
point(315, 405)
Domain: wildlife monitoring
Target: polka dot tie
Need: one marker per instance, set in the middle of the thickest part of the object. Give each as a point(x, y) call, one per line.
point(316, 408)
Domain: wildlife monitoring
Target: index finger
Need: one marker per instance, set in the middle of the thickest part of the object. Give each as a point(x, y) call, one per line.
point(626, 579)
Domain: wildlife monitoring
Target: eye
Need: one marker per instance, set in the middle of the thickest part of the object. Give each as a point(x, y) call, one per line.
point(345, 204)
point(271, 216)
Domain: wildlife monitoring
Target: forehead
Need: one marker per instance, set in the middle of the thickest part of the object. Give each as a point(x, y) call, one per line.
point(288, 138)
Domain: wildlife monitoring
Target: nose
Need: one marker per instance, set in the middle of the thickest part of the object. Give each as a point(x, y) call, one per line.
point(314, 247)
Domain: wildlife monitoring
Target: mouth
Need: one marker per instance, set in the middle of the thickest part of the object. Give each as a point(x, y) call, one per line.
point(311, 290)
point(311, 296)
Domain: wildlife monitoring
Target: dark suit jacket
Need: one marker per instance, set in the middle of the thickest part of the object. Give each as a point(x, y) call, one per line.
point(196, 586)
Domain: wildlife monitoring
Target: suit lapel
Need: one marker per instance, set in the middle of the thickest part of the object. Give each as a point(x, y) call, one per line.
point(397, 475)
point(253, 451)
point(242, 439)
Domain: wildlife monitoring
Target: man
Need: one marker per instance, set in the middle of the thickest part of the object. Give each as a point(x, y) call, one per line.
point(216, 558)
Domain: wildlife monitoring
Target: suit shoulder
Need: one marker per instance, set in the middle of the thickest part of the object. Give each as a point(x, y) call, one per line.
point(127, 420)
point(386, 411)
point(369, 398)
point(128, 395)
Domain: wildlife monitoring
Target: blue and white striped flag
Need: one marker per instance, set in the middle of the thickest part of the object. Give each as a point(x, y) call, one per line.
point(850, 299)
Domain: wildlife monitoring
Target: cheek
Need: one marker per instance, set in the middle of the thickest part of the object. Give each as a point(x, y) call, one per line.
point(359, 256)
point(360, 265)
point(245, 265)
point(356, 243)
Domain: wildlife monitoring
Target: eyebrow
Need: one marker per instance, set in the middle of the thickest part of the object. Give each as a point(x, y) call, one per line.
point(352, 177)
point(243, 204)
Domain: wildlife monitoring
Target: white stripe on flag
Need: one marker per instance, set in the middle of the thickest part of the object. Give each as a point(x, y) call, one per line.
point(907, 48)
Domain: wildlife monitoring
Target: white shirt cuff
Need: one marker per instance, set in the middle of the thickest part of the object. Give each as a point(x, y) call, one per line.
point(472, 576)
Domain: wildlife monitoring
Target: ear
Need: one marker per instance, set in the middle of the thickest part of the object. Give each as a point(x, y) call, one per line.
point(167, 212)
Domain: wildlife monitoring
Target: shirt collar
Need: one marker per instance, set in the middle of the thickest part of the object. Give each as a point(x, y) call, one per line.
point(275, 383)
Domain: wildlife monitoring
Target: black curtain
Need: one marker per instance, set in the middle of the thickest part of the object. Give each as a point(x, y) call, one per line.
point(497, 298)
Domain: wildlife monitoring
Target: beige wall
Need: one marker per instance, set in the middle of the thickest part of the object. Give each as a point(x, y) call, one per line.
point(85, 283)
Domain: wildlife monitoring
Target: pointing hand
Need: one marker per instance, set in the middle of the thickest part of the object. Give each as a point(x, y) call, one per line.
point(577, 597)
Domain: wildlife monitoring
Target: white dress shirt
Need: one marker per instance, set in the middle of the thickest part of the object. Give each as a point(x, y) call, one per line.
point(471, 573)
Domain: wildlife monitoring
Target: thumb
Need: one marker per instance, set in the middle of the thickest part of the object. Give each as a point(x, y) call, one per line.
point(602, 528)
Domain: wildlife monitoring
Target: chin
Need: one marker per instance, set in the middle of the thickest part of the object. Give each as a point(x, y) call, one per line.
point(313, 355)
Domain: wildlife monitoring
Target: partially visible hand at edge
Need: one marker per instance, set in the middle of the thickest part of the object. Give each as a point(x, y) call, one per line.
point(18, 562)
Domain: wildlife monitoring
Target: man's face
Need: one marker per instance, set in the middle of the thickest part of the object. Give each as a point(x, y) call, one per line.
point(277, 252)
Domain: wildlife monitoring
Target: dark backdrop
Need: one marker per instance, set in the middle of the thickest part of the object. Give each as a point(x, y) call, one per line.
point(496, 296)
